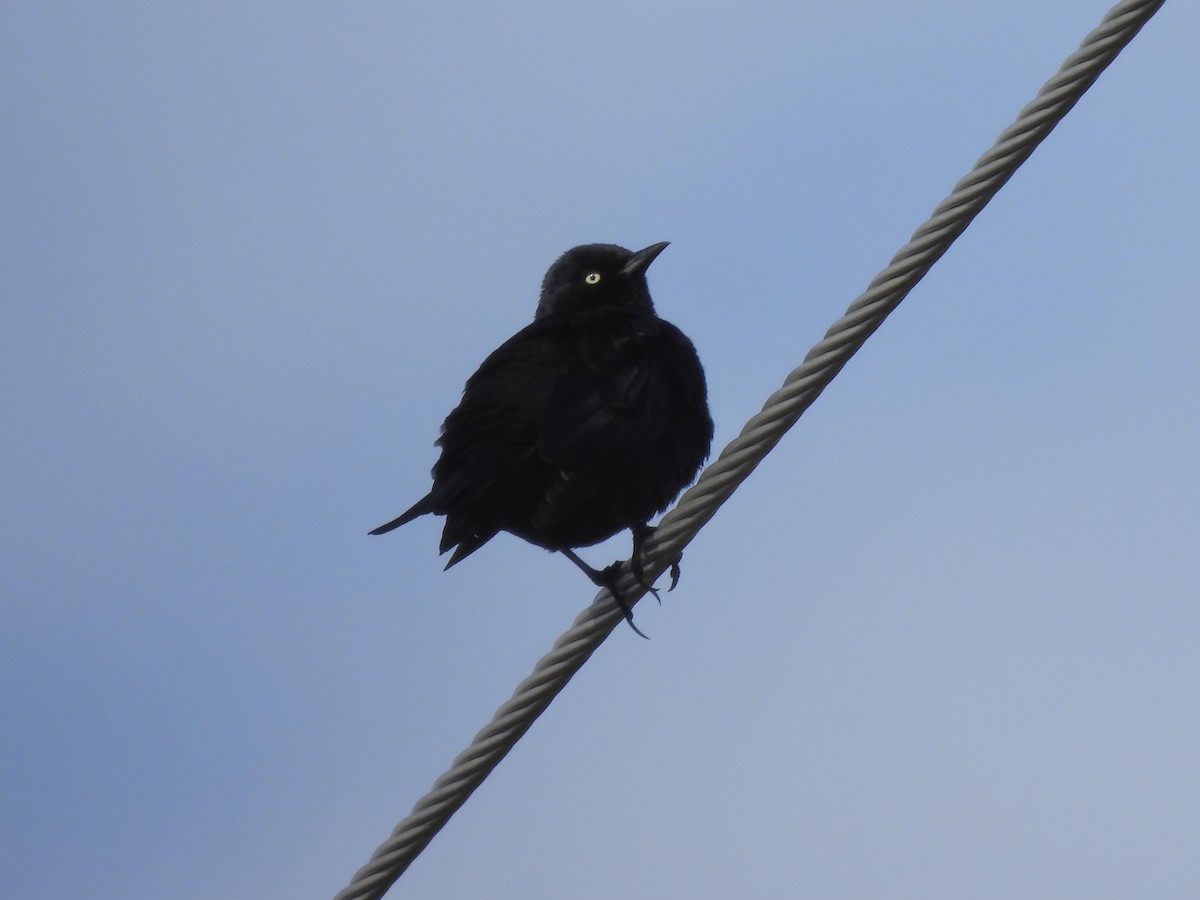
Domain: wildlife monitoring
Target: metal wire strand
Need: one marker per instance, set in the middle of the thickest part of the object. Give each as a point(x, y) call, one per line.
point(801, 387)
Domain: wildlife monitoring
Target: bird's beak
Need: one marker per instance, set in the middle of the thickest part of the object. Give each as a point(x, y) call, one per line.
point(640, 261)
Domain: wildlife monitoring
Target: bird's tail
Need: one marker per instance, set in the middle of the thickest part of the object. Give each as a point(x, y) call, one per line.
point(422, 506)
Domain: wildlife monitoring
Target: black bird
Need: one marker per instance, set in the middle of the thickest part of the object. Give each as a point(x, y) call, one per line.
point(589, 420)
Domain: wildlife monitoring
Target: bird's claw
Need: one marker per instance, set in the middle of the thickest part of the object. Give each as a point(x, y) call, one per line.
point(640, 535)
point(610, 576)
point(639, 574)
point(635, 566)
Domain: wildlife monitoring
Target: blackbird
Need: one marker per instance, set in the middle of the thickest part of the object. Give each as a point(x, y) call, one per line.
point(589, 420)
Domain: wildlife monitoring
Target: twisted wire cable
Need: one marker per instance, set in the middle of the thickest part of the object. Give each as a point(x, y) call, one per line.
point(764, 430)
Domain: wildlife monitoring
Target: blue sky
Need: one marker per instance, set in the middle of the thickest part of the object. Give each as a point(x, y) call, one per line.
point(944, 642)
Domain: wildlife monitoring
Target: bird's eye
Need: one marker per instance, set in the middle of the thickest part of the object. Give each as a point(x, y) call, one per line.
point(592, 277)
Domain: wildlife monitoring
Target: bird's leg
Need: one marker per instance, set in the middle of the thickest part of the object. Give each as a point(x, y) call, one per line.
point(606, 578)
point(641, 532)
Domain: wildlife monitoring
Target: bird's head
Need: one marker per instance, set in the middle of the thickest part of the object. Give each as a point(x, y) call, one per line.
point(598, 275)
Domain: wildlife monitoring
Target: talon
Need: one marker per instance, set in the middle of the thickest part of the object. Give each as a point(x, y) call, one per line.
point(610, 577)
point(607, 578)
point(639, 574)
point(640, 533)
point(675, 573)
point(629, 616)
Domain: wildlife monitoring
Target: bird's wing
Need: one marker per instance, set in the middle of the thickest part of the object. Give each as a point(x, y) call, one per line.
point(489, 468)
point(604, 412)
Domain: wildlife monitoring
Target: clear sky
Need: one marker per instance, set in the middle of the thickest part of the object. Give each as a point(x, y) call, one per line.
point(945, 642)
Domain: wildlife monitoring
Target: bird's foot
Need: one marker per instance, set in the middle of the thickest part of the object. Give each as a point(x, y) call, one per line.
point(641, 533)
point(608, 579)
point(635, 566)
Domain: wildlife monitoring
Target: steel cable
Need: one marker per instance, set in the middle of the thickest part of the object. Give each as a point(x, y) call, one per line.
point(760, 434)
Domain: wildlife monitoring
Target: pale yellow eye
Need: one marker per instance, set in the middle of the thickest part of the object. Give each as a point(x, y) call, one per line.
point(592, 277)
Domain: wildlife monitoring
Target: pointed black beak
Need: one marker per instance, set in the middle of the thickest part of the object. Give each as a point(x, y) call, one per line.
point(640, 261)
